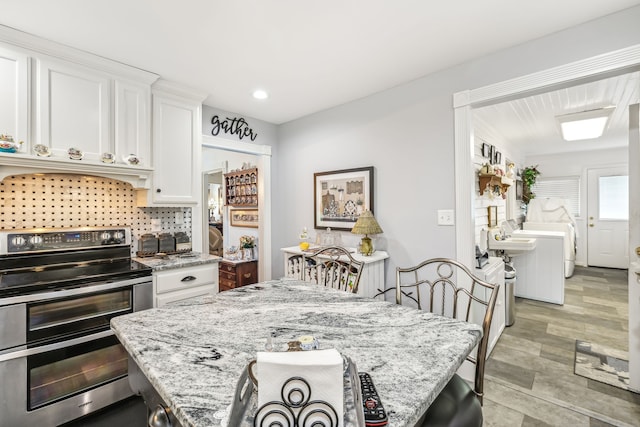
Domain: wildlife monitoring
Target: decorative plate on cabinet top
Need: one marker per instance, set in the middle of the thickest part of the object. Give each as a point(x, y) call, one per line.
point(75, 153)
point(41, 150)
point(131, 159)
point(108, 158)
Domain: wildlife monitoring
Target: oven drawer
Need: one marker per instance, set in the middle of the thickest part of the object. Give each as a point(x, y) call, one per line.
point(64, 314)
point(184, 278)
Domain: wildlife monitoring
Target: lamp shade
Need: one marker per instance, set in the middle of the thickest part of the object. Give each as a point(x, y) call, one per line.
point(366, 224)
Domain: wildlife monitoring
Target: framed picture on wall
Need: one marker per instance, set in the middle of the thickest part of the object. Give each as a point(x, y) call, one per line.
point(485, 150)
point(341, 196)
point(244, 218)
point(498, 157)
point(492, 216)
point(492, 154)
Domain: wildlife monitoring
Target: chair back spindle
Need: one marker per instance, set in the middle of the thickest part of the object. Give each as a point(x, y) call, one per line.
point(334, 267)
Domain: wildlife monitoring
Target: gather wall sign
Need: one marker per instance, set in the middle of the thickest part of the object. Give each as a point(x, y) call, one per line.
point(232, 126)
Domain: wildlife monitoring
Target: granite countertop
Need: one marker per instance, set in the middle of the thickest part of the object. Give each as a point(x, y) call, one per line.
point(194, 351)
point(177, 261)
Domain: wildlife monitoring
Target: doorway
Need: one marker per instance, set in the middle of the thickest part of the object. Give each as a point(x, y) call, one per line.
point(212, 186)
point(260, 156)
point(612, 63)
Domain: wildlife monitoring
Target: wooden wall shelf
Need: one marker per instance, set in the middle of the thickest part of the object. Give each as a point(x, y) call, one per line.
point(493, 181)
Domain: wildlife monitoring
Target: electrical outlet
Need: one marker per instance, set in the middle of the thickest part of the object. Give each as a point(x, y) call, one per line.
point(446, 217)
point(156, 225)
point(179, 218)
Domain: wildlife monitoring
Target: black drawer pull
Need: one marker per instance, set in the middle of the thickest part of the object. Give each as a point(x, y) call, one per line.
point(188, 279)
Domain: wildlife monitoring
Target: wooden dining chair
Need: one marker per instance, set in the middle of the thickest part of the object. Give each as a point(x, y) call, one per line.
point(334, 267)
point(446, 287)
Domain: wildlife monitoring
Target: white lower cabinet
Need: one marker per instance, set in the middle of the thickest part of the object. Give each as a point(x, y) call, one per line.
point(493, 272)
point(183, 283)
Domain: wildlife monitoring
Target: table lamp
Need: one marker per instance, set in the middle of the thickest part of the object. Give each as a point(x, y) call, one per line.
point(366, 224)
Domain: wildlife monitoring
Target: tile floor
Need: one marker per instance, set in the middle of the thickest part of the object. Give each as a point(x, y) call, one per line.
point(529, 378)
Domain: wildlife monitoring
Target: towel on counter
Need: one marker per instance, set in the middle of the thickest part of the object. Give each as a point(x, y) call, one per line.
point(321, 369)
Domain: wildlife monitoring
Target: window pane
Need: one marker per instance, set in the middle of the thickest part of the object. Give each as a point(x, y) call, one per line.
point(567, 188)
point(614, 197)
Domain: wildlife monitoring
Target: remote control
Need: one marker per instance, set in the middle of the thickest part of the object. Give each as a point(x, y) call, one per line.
point(374, 413)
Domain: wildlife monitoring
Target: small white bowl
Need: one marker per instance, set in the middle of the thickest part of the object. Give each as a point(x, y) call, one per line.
point(75, 153)
point(41, 150)
point(108, 158)
point(131, 160)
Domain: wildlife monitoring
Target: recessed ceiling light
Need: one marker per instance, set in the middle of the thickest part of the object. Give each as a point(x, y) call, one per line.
point(260, 94)
point(584, 125)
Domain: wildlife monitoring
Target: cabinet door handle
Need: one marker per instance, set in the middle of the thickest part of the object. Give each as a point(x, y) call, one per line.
point(188, 279)
point(158, 190)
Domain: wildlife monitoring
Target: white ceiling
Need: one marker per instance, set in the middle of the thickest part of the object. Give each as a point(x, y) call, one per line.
point(309, 55)
point(529, 125)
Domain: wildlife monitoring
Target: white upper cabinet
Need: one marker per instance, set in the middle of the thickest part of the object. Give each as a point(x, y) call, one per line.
point(132, 120)
point(64, 98)
point(14, 95)
point(176, 145)
point(73, 109)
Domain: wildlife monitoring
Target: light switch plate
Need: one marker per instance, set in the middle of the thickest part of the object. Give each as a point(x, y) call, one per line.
point(179, 218)
point(156, 225)
point(446, 217)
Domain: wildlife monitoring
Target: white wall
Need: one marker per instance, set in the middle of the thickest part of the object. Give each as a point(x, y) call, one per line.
point(577, 164)
point(407, 134)
point(507, 208)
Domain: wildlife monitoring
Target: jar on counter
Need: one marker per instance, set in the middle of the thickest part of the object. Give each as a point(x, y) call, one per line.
point(166, 243)
point(148, 244)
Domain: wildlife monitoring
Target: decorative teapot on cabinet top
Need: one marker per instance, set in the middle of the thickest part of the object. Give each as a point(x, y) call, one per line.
point(7, 144)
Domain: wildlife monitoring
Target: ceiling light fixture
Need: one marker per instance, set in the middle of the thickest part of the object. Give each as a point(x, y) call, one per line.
point(260, 94)
point(585, 124)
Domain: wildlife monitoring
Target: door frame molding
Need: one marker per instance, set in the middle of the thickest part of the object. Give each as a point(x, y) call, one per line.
point(590, 69)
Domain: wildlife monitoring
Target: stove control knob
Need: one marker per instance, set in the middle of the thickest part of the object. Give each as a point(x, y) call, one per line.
point(18, 241)
point(105, 236)
point(35, 240)
point(118, 235)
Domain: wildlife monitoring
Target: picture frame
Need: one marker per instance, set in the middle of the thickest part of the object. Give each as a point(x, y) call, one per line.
point(340, 196)
point(492, 216)
point(498, 157)
point(492, 154)
point(244, 218)
point(486, 151)
point(519, 189)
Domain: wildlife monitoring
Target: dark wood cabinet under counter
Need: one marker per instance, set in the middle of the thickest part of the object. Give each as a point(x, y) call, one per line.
point(234, 274)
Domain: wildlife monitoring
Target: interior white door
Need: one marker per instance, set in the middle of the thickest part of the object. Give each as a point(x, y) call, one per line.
point(608, 217)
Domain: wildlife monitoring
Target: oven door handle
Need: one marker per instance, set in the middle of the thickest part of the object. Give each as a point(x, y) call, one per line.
point(24, 352)
point(63, 293)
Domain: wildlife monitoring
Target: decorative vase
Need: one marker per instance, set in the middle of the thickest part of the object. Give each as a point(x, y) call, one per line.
point(247, 253)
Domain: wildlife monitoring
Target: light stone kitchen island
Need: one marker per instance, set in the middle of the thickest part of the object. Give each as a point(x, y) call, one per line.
point(194, 351)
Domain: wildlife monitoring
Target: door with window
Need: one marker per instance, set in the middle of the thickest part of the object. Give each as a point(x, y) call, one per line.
point(608, 217)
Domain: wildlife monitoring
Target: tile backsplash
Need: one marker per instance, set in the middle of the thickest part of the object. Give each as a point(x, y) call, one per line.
point(71, 200)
